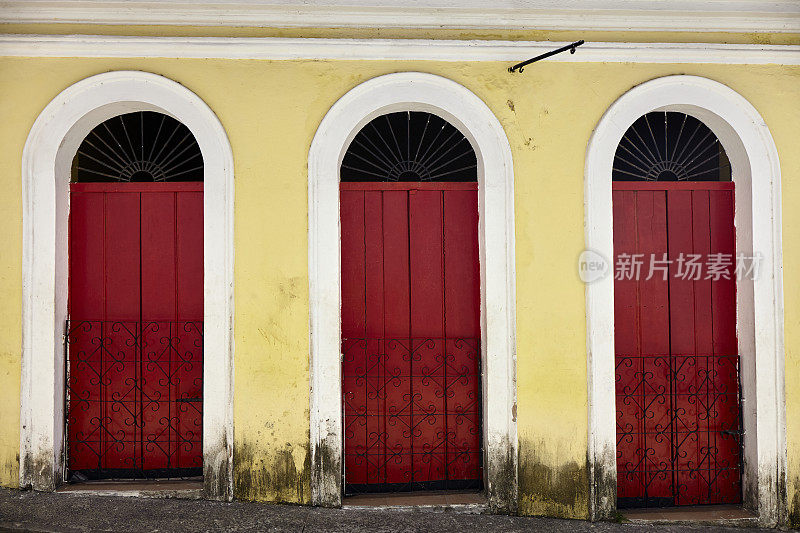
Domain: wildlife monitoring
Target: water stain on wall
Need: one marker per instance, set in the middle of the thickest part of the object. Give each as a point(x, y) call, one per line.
point(794, 507)
point(547, 488)
point(272, 476)
point(10, 473)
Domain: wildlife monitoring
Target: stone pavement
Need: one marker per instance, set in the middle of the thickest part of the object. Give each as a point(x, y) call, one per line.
point(31, 511)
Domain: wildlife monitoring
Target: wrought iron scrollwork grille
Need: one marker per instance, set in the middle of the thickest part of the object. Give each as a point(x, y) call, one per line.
point(687, 427)
point(425, 388)
point(134, 398)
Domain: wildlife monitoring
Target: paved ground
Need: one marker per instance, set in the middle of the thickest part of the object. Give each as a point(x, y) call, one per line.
point(29, 511)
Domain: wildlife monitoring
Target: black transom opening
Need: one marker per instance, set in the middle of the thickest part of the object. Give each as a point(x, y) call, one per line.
point(409, 146)
point(144, 146)
point(670, 146)
point(141, 176)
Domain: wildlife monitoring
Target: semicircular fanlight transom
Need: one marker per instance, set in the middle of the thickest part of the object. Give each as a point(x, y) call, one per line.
point(409, 146)
point(143, 146)
point(670, 146)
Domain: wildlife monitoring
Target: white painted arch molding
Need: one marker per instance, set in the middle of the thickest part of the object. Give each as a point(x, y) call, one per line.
point(46, 163)
point(756, 174)
point(416, 92)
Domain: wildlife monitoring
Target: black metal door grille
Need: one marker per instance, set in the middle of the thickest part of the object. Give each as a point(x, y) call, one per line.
point(134, 398)
point(412, 414)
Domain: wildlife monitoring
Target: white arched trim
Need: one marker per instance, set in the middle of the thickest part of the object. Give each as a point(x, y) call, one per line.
point(46, 163)
point(756, 173)
point(417, 92)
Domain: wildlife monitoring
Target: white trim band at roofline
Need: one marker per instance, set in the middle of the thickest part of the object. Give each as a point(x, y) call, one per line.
point(603, 15)
point(280, 48)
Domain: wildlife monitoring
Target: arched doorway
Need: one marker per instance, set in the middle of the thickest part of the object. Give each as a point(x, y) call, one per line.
point(755, 171)
point(427, 93)
point(48, 157)
point(410, 307)
point(134, 384)
point(676, 356)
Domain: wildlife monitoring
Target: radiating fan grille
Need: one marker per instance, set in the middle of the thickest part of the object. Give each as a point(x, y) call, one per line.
point(409, 146)
point(670, 146)
point(142, 146)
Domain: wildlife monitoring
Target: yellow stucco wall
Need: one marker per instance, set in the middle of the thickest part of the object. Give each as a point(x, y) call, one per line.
point(10, 291)
point(271, 111)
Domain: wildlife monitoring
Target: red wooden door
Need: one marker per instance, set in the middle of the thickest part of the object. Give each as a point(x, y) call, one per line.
point(135, 337)
point(677, 385)
point(410, 336)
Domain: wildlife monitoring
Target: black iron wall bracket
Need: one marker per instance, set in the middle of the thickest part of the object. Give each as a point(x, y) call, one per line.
point(570, 47)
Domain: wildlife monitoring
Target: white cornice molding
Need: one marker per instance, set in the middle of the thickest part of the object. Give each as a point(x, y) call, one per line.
point(776, 16)
point(274, 48)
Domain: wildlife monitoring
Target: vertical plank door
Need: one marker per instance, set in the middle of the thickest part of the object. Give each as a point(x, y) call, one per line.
point(410, 336)
point(677, 383)
point(135, 339)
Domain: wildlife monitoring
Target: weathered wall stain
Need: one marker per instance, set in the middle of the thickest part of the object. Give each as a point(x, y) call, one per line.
point(327, 470)
point(38, 470)
point(794, 506)
point(11, 470)
point(782, 504)
point(603, 485)
point(216, 476)
point(549, 488)
point(749, 485)
point(503, 493)
point(273, 476)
